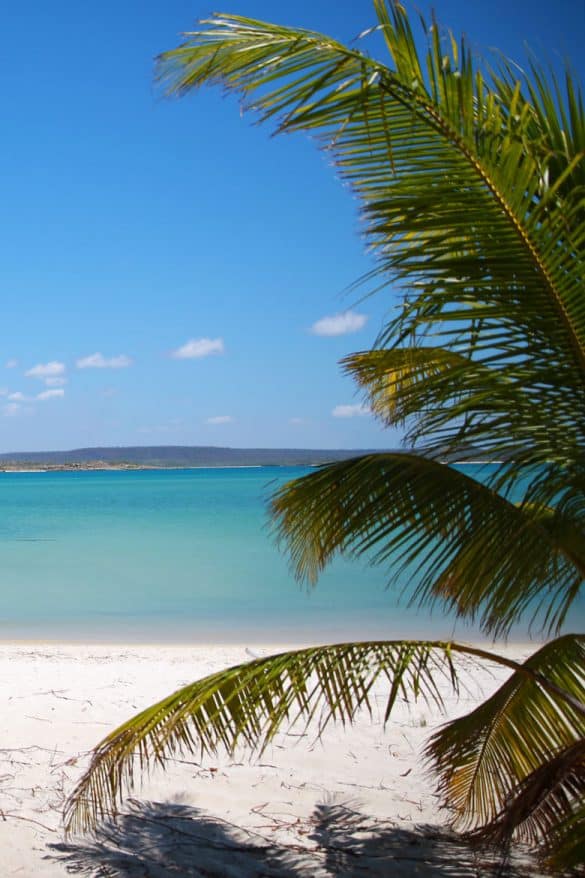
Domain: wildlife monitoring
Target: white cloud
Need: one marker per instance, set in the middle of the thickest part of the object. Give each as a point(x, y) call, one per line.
point(350, 411)
point(17, 396)
point(196, 348)
point(11, 409)
point(11, 364)
point(55, 382)
point(296, 421)
point(15, 409)
point(50, 394)
point(46, 370)
point(220, 419)
point(98, 361)
point(339, 324)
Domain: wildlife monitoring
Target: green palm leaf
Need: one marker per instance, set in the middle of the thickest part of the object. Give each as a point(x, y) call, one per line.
point(397, 379)
point(249, 703)
point(457, 539)
point(401, 383)
point(544, 807)
point(516, 768)
point(566, 842)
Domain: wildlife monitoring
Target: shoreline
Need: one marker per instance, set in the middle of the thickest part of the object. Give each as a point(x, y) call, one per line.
point(239, 635)
point(121, 466)
point(139, 467)
point(250, 643)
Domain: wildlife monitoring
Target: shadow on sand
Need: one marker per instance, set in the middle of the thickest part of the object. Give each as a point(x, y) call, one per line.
point(155, 840)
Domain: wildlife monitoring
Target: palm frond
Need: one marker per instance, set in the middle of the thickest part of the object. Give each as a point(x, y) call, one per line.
point(249, 703)
point(557, 110)
point(466, 202)
point(543, 801)
point(401, 383)
point(396, 379)
point(515, 765)
point(566, 843)
point(424, 522)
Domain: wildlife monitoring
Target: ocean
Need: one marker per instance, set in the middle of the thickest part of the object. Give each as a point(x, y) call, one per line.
point(182, 556)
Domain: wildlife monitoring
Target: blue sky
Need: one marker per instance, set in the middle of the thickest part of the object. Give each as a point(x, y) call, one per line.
point(164, 262)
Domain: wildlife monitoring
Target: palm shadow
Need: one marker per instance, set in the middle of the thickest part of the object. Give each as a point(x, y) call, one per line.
point(165, 840)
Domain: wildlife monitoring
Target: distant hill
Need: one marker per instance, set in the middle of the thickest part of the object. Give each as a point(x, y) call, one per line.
point(178, 456)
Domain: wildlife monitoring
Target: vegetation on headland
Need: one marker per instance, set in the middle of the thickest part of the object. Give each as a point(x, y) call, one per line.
point(170, 457)
point(472, 185)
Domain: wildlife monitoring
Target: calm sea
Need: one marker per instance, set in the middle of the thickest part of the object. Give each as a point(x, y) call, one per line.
point(178, 556)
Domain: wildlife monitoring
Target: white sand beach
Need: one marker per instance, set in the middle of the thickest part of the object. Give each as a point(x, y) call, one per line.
point(356, 801)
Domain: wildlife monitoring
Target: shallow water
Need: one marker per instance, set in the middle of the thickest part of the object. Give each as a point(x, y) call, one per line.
point(177, 555)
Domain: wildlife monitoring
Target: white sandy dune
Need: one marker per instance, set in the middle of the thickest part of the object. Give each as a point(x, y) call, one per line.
point(354, 802)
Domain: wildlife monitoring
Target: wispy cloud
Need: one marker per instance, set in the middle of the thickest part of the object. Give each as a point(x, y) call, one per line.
point(58, 381)
point(220, 419)
point(98, 361)
point(46, 370)
point(196, 348)
point(11, 364)
point(296, 421)
point(350, 411)
point(51, 394)
point(14, 409)
point(339, 324)
point(17, 396)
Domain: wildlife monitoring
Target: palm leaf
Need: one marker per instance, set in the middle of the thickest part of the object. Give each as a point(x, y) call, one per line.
point(542, 805)
point(515, 763)
point(457, 539)
point(397, 380)
point(249, 703)
point(566, 843)
point(403, 382)
point(557, 110)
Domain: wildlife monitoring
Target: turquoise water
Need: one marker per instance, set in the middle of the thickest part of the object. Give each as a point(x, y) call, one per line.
point(176, 555)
